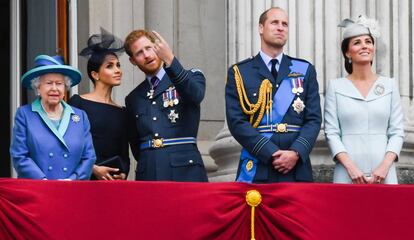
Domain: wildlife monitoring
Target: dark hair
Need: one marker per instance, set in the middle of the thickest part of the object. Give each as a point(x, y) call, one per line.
point(95, 62)
point(345, 47)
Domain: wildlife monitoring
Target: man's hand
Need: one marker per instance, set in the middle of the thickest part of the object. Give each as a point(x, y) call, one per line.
point(162, 49)
point(284, 160)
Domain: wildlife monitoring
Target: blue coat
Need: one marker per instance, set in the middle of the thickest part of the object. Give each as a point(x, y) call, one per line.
point(39, 150)
point(148, 119)
point(366, 128)
point(253, 72)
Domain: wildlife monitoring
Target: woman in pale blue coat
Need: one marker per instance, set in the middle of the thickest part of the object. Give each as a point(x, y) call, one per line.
point(51, 140)
point(363, 115)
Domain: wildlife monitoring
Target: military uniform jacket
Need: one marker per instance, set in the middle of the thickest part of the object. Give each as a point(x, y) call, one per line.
point(253, 72)
point(149, 119)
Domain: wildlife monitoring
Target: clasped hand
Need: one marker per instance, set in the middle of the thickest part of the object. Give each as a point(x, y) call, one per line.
point(284, 160)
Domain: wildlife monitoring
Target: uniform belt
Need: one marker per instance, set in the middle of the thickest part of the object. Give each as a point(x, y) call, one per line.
point(162, 142)
point(279, 128)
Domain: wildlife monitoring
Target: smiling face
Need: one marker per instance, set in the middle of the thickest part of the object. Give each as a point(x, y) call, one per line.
point(51, 88)
point(143, 56)
point(109, 72)
point(274, 29)
point(361, 50)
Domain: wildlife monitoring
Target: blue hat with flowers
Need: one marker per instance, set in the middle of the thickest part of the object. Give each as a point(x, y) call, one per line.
point(51, 64)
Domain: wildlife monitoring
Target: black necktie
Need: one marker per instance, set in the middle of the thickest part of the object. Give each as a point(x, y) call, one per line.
point(273, 71)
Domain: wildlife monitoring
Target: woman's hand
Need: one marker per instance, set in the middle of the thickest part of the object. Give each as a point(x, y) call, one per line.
point(380, 173)
point(356, 175)
point(121, 176)
point(104, 173)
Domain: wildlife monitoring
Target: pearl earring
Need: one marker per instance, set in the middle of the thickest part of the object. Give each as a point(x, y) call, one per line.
point(349, 60)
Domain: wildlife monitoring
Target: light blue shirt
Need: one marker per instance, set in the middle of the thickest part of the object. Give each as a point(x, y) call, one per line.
point(160, 74)
point(267, 60)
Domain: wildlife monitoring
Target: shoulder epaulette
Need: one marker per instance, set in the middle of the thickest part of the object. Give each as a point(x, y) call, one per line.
point(244, 61)
point(300, 59)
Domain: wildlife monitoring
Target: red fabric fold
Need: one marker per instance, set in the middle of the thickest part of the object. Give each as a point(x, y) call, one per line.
point(31, 209)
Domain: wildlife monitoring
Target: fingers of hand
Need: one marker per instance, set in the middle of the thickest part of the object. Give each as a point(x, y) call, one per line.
point(158, 36)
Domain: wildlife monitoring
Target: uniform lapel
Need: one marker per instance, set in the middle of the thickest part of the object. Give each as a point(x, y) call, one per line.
point(262, 69)
point(284, 69)
point(163, 85)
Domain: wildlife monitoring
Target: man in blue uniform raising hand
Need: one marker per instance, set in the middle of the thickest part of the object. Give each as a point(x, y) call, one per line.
point(164, 112)
point(273, 108)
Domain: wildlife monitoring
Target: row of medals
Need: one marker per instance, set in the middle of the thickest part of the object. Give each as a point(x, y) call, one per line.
point(170, 99)
point(297, 88)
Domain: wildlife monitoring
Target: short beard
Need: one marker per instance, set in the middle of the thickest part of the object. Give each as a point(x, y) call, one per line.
point(149, 71)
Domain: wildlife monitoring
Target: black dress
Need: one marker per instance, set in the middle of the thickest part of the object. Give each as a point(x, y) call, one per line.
point(108, 129)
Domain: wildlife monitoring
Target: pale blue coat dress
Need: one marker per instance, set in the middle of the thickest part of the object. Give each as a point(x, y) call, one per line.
point(365, 128)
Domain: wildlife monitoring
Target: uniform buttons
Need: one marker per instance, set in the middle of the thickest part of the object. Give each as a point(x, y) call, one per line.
point(64, 169)
point(50, 168)
point(154, 118)
point(156, 134)
point(136, 116)
point(65, 155)
point(50, 154)
point(154, 102)
point(254, 94)
point(277, 85)
point(190, 161)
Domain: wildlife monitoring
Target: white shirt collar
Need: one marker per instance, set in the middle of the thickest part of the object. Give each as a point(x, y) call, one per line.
point(267, 60)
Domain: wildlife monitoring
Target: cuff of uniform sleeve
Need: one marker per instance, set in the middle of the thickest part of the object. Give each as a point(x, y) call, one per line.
point(265, 151)
point(302, 147)
point(176, 72)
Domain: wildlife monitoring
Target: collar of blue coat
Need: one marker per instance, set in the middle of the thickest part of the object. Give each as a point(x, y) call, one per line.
point(67, 112)
point(381, 87)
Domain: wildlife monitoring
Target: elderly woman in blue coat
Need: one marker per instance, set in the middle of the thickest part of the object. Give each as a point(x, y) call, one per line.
point(51, 140)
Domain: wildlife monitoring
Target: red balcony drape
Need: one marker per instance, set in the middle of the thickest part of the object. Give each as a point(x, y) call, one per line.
point(32, 209)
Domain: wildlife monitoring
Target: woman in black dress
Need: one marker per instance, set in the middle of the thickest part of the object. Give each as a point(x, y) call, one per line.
point(107, 119)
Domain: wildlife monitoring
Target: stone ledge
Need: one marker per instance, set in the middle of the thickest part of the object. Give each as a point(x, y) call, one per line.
point(324, 173)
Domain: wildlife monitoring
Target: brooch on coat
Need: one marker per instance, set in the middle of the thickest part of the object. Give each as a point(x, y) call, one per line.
point(298, 105)
point(75, 118)
point(173, 116)
point(379, 89)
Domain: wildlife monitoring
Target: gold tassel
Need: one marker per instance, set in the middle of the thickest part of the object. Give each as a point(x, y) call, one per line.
point(263, 101)
point(253, 199)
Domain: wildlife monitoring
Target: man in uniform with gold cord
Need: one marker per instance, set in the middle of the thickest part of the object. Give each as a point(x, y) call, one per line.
point(273, 108)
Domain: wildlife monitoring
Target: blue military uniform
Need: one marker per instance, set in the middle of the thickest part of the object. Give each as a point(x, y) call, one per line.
point(163, 126)
point(296, 127)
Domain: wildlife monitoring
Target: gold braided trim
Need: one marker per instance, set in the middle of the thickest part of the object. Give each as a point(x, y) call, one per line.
point(264, 101)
